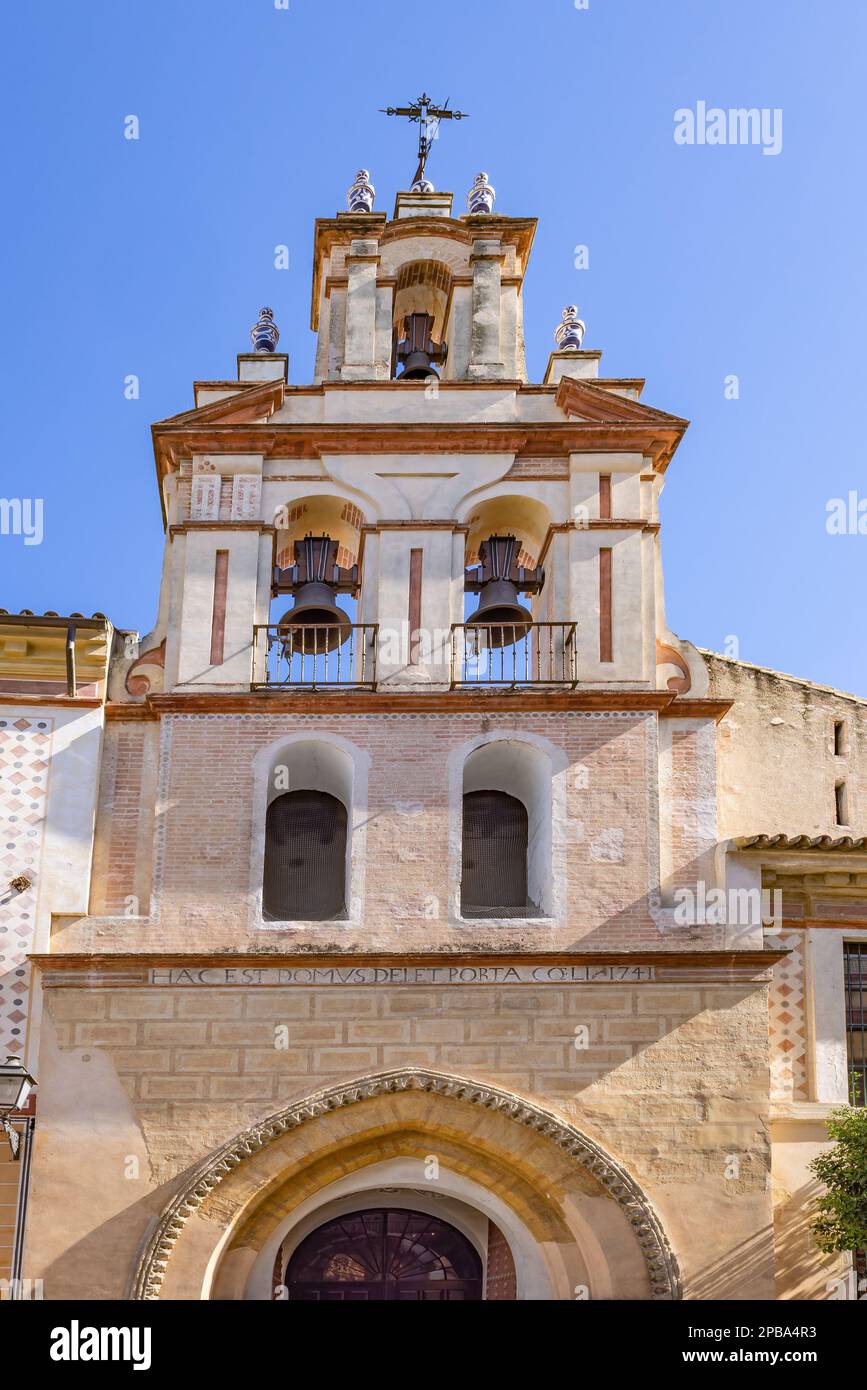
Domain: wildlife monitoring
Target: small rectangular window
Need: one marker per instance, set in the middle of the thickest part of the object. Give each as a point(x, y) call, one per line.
point(840, 748)
point(841, 803)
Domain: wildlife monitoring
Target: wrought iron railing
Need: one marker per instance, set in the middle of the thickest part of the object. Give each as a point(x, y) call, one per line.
point(513, 654)
point(314, 657)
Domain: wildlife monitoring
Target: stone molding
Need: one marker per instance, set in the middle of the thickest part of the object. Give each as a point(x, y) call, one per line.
point(665, 1284)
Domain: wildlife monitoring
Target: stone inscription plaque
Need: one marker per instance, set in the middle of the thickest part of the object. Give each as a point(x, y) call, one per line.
point(355, 975)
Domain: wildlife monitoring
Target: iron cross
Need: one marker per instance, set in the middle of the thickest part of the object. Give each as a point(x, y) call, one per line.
point(428, 116)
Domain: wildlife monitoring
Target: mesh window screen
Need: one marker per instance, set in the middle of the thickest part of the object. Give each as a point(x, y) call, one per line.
point(305, 858)
point(494, 880)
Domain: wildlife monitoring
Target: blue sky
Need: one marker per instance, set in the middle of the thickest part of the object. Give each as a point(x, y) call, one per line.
point(153, 257)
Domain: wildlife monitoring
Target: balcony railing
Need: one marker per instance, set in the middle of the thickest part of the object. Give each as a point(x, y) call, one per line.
point(344, 656)
point(513, 654)
point(309, 657)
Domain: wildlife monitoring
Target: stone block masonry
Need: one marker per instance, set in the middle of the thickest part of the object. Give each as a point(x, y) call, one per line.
point(642, 1069)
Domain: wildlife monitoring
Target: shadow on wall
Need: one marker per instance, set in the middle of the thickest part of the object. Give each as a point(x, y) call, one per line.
point(737, 1274)
point(802, 1270)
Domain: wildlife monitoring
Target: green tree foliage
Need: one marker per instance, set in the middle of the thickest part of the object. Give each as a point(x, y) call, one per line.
point(840, 1220)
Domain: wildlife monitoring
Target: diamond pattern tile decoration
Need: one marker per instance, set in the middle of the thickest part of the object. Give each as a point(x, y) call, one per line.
point(787, 1024)
point(25, 745)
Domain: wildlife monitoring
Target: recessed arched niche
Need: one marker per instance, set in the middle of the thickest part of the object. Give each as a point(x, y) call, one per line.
point(319, 515)
point(306, 839)
point(423, 287)
point(420, 306)
point(522, 517)
point(510, 774)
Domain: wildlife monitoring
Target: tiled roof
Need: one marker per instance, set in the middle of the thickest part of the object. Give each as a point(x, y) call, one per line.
point(27, 616)
point(800, 842)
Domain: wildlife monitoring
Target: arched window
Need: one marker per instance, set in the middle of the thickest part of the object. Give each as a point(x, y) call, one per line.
point(495, 836)
point(305, 858)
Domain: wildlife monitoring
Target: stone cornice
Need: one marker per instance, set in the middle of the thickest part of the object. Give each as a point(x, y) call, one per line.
point(177, 439)
point(12, 698)
point(840, 924)
point(707, 966)
point(666, 704)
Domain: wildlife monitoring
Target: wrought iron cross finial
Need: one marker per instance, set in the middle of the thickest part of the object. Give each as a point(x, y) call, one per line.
point(427, 115)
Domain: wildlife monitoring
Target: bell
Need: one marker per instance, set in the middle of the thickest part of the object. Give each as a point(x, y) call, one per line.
point(505, 619)
point(417, 367)
point(314, 624)
point(417, 353)
point(500, 611)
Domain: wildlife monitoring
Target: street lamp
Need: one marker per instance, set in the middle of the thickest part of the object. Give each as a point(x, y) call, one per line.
point(16, 1083)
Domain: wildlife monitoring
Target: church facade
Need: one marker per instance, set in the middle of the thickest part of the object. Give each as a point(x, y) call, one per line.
point(412, 914)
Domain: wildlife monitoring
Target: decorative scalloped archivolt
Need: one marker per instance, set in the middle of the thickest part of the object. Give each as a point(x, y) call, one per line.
point(659, 1259)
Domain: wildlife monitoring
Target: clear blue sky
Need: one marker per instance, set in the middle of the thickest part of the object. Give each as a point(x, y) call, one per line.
point(153, 257)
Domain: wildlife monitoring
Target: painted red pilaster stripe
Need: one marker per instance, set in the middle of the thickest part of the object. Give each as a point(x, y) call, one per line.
point(606, 639)
point(415, 566)
point(218, 617)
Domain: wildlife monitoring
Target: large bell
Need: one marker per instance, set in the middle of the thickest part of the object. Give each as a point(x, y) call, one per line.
point(500, 611)
point(503, 619)
point(314, 625)
point(417, 352)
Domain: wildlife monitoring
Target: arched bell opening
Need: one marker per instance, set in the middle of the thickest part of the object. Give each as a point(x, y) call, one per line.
point(506, 640)
point(318, 546)
point(506, 535)
point(314, 637)
point(320, 514)
point(421, 300)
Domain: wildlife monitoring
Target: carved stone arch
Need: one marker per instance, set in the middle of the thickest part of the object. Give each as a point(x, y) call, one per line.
point(660, 1262)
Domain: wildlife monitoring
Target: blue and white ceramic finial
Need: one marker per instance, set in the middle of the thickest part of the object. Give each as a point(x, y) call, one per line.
point(482, 195)
point(360, 196)
point(265, 333)
point(422, 186)
point(569, 335)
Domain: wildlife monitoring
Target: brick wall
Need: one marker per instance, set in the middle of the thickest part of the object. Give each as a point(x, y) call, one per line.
point(605, 842)
point(124, 824)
